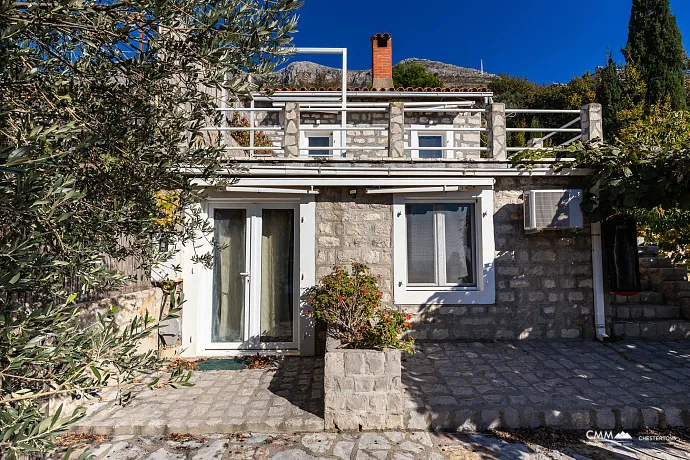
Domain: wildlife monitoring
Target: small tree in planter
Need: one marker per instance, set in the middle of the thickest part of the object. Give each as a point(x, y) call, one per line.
point(362, 378)
point(351, 306)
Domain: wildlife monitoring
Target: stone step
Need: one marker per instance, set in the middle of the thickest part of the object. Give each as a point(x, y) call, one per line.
point(643, 297)
point(646, 311)
point(684, 308)
point(657, 276)
point(673, 291)
point(655, 262)
point(661, 329)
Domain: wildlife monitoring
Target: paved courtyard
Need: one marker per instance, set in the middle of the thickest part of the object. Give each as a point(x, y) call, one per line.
point(287, 399)
point(449, 386)
point(560, 384)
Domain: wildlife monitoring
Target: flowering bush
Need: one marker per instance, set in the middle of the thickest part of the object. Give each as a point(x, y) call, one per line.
point(350, 304)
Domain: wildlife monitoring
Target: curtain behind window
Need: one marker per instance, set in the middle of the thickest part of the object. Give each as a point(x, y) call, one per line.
point(277, 262)
point(421, 256)
point(457, 218)
point(228, 284)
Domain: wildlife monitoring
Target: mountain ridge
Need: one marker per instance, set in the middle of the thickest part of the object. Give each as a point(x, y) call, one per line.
point(310, 74)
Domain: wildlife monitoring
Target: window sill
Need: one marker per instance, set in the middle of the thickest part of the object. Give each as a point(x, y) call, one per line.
point(450, 296)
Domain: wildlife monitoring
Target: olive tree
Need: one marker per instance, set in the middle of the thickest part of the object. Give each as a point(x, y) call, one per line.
point(103, 105)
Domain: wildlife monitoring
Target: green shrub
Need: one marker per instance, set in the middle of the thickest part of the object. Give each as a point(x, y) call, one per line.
point(414, 75)
point(350, 304)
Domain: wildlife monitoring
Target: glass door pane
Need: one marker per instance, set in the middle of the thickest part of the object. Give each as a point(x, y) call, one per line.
point(277, 276)
point(229, 267)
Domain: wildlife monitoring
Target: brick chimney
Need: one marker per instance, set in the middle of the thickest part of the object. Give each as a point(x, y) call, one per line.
point(382, 61)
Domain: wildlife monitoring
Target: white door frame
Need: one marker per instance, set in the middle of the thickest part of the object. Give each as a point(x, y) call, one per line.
point(199, 288)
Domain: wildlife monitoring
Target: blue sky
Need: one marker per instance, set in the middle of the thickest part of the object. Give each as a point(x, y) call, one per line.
point(544, 40)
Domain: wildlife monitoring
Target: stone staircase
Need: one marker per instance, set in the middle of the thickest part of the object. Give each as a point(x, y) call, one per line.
point(661, 311)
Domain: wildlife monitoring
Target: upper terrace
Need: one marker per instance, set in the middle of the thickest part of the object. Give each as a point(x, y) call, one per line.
point(383, 123)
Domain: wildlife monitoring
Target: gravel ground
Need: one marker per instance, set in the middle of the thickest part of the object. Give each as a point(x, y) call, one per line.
point(522, 444)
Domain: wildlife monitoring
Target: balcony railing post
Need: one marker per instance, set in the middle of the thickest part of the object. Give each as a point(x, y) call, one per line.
point(291, 130)
point(592, 123)
point(496, 138)
point(396, 130)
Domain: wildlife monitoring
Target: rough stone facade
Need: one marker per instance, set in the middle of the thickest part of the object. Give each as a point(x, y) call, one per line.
point(363, 390)
point(543, 280)
point(355, 228)
point(387, 131)
point(496, 134)
point(396, 130)
point(291, 140)
point(129, 307)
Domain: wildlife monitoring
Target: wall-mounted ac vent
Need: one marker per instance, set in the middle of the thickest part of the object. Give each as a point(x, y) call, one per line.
point(552, 209)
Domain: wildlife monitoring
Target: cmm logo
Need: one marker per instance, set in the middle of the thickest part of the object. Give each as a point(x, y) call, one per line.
point(608, 436)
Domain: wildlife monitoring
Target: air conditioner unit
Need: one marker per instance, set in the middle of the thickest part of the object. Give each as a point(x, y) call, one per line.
point(552, 209)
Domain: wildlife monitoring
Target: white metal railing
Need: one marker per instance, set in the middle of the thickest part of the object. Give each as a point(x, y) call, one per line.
point(549, 132)
point(344, 131)
point(252, 129)
point(578, 111)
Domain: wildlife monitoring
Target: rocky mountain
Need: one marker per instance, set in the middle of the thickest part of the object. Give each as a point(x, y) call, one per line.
point(454, 76)
point(309, 74)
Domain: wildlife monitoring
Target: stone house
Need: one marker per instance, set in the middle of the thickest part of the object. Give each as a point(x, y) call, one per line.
point(415, 183)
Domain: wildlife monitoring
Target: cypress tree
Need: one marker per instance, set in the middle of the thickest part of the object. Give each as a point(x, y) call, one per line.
point(610, 95)
point(655, 47)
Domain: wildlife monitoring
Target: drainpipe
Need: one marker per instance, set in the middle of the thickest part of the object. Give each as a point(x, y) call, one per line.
point(591, 122)
point(598, 283)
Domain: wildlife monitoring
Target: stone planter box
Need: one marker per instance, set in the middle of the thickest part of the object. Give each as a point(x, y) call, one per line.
point(362, 389)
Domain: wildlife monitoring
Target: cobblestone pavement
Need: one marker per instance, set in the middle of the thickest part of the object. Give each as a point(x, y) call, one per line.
point(286, 399)
point(560, 384)
point(449, 386)
point(371, 446)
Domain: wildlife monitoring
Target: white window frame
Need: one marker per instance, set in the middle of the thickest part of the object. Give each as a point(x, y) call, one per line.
point(432, 130)
point(306, 134)
point(484, 292)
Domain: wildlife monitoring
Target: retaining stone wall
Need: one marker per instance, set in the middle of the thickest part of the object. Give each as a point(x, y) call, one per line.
point(129, 306)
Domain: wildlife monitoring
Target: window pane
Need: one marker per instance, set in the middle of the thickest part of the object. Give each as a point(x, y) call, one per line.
point(319, 141)
point(420, 243)
point(459, 247)
point(277, 250)
point(431, 141)
point(228, 284)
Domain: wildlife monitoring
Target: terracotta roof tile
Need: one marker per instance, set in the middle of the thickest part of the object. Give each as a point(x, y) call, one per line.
point(401, 90)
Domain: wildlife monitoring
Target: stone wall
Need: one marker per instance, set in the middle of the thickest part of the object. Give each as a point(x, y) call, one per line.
point(129, 306)
point(459, 138)
point(362, 390)
point(355, 228)
point(543, 280)
point(368, 137)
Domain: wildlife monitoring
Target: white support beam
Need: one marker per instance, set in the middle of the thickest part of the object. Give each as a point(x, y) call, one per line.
point(440, 188)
